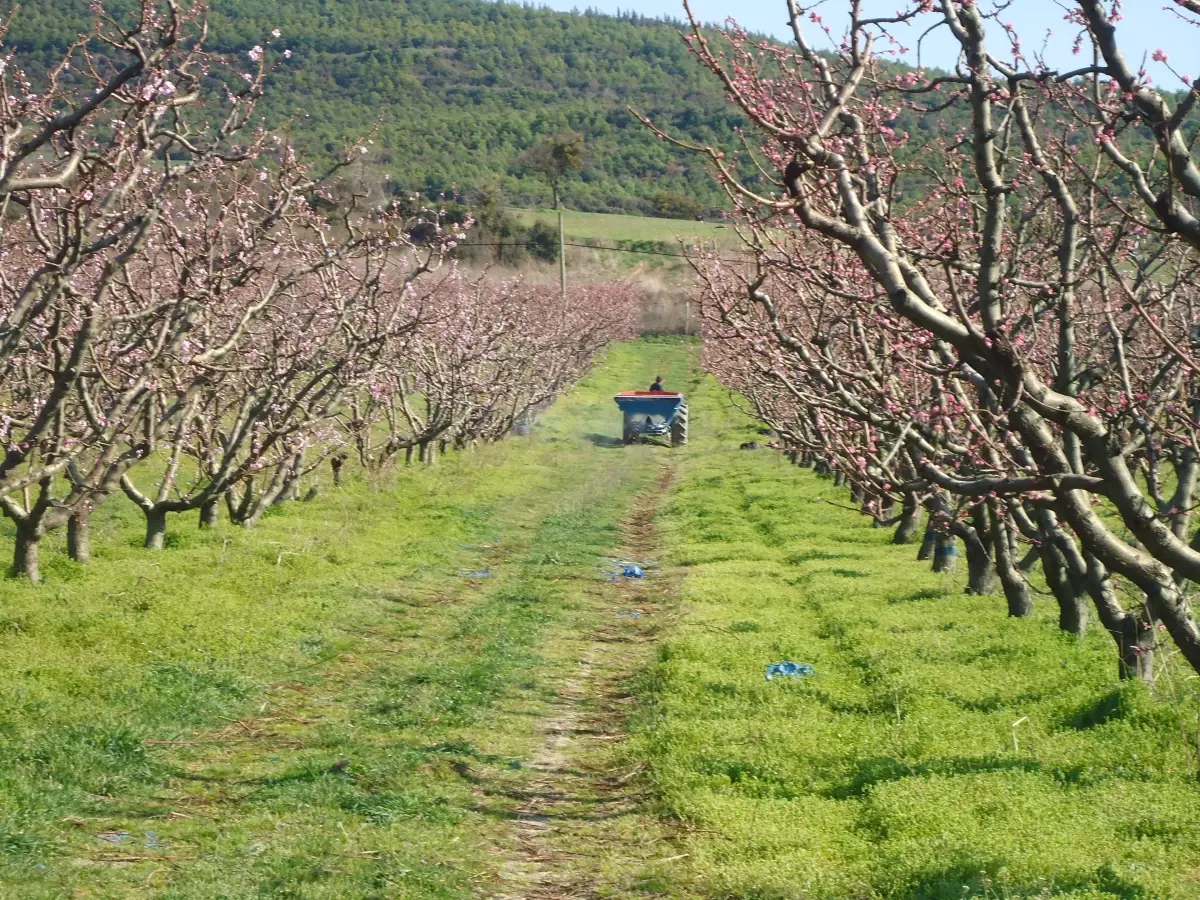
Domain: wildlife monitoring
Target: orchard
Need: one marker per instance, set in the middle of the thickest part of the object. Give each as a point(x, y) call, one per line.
point(1004, 329)
point(181, 323)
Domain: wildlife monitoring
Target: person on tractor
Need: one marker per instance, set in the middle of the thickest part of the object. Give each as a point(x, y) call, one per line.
point(657, 387)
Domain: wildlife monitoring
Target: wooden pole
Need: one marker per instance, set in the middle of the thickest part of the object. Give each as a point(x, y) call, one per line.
point(562, 256)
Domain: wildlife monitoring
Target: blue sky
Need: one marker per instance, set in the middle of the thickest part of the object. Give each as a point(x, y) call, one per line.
point(1146, 27)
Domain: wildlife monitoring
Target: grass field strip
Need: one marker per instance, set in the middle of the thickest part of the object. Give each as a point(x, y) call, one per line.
point(287, 712)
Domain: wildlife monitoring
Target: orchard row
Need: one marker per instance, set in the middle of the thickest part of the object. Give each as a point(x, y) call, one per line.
point(192, 318)
point(1016, 349)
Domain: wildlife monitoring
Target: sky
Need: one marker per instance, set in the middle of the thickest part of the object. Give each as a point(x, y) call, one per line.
point(1146, 27)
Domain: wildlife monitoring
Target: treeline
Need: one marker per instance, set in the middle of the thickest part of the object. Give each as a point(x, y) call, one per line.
point(451, 91)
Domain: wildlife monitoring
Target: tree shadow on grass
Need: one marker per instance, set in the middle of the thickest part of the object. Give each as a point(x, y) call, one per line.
point(880, 769)
point(797, 559)
point(605, 440)
point(916, 596)
point(975, 877)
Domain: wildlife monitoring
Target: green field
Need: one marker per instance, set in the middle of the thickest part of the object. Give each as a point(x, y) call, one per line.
point(428, 685)
point(615, 230)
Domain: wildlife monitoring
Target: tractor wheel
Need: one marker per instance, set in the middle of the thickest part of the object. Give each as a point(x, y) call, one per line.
point(679, 427)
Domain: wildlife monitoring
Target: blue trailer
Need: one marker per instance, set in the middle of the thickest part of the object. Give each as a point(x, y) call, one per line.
point(653, 414)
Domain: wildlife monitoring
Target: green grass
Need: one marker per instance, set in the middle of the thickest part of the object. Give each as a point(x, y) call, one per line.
point(618, 230)
point(285, 712)
point(893, 773)
point(329, 707)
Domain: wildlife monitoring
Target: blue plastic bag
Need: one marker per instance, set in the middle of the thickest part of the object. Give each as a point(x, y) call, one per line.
point(632, 571)
point(789, 670)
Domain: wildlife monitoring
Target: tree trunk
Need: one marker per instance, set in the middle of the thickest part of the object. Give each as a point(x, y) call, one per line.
point(1133, 631)
point(25, 554)
point(1016, 588)
point(1072, 603)
point(79, 540)
point(885, 512)
point(945, 553)
point(910, 520)
point(238, 505)
point(928, 542)
point(210, 512)
point(253, 508)
point(156, 529)
point(289, 491)
point(981, 573)
point(1135, 644)
point(1132, 635)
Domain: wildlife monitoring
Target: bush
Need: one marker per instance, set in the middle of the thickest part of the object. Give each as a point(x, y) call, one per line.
point(542, 241)
point(670, 205)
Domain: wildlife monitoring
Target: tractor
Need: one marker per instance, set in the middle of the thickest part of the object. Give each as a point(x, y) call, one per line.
point(653, 414)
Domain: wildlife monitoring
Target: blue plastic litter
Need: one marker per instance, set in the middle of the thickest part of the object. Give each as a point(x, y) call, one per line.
point(116, 838)
point(789, 670)
point(630, 613)
point(482, 573)
point(625, 568)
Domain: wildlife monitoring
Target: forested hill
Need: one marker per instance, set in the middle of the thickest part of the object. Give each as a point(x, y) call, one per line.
point(463, 86)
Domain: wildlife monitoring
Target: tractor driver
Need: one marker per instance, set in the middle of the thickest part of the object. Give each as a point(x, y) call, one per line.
point(657, 387)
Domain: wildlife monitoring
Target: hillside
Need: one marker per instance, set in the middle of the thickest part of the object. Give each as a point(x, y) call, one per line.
point(461, 87)
point(458, 88)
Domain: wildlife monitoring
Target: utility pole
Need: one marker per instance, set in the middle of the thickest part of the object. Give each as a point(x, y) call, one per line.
point(562, 256)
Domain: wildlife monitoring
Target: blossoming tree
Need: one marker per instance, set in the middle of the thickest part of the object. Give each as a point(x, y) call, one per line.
point(1004, 325)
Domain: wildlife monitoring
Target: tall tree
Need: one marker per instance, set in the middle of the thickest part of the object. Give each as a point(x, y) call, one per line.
point(555, 158)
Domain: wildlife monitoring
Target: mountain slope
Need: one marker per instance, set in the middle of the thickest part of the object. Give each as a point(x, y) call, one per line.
point(460, 87)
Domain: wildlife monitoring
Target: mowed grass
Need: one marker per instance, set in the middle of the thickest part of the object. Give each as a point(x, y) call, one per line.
point(613, 229)
point(288, 711)
point(942, 750)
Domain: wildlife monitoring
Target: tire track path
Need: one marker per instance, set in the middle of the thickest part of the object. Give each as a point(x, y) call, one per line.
point(579, 823)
